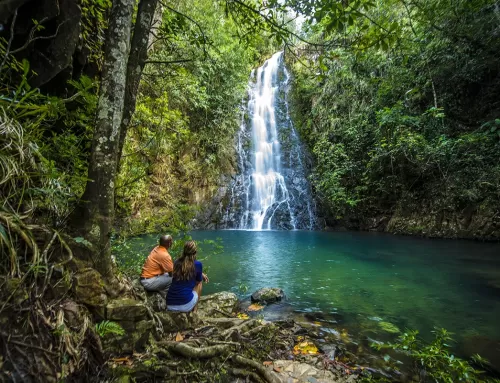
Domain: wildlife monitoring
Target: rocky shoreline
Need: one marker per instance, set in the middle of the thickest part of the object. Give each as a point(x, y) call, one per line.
point(223, 341)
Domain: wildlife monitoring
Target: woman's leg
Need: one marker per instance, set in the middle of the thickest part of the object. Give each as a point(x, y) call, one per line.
point(197, 288)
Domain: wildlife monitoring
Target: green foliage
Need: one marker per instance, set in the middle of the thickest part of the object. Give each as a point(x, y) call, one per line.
point(396, 127)
point(93, 26)
point(108, 327)
point(181, 139)
point(433, 361)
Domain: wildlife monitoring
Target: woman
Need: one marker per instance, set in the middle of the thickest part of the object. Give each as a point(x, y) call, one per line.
point(187, 279)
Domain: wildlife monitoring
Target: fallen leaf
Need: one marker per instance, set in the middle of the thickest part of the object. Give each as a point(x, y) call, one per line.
point(255, 307)
point(179, 337)
point(277, 369)
point(305, 348)
point(121, 360)
point(267, 363)
point(242, 316)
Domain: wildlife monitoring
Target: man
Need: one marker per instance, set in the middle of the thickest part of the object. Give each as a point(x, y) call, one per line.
point(157, 270)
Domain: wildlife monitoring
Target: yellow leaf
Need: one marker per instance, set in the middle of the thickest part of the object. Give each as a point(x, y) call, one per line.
point(255, 307)
point(242, 316)
point(179, 337)
point(305, 348)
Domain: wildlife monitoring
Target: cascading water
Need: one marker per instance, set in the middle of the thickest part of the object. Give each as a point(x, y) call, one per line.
point(268, 183)
point(271, 191)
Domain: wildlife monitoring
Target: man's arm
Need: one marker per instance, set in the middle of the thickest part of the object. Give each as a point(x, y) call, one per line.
point(167, 264)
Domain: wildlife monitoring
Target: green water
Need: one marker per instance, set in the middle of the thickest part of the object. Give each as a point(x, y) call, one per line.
point(359, 279)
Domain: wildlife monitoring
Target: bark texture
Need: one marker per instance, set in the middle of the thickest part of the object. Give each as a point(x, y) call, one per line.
point(136, 62)
point(98, 211)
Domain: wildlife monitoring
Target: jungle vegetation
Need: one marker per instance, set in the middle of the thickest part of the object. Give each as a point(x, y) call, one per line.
point(407, 123)
point(118, 118)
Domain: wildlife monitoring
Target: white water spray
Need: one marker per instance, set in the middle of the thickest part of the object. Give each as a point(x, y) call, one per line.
point(268, 184)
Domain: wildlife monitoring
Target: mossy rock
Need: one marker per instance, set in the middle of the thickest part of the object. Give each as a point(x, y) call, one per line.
point(268, 295)
point(214, 305)
point(137, 335)
point(126, 309)
point(173, 322)
point(88, 287)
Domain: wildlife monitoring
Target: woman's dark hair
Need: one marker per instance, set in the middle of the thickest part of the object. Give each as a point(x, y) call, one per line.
point(184, 266)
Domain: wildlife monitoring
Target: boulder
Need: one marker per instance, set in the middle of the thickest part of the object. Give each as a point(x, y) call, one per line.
point(126, 309)
point(268, 295)
point(215, 305)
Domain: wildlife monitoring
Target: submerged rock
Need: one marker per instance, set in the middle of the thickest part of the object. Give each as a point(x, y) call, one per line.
point(268, 295)
point(389, 327)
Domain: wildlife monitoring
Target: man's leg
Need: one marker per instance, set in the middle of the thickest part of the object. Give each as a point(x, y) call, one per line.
point(160, 284)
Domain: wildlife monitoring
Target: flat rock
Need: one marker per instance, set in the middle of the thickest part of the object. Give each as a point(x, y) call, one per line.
point(215, 305)
point(126, 309)
point(268, 295)
point(297, 372)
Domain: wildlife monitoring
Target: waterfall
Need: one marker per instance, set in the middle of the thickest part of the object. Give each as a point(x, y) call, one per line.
point(271, 190)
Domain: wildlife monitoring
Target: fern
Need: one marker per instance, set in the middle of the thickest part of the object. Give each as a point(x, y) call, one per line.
point(107, 327)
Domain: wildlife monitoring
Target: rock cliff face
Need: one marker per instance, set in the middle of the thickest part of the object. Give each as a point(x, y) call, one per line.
point(470, 223)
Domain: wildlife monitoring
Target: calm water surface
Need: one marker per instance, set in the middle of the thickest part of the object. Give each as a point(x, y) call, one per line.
point(366, 278)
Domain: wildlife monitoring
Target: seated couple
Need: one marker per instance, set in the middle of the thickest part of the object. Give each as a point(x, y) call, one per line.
point(180, 282)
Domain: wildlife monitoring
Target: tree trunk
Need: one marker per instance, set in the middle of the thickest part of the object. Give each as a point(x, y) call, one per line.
point(136, 62)
point(98, 198)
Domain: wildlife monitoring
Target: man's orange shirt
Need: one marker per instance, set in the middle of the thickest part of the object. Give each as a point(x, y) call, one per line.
point(158, 262)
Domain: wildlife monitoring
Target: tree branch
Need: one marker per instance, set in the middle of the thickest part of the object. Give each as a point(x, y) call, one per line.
point(32, 39)
point(268, 375)
point(169, 62)
point(197, 352)
point(205, 40)
point(11, 38)
point(274, 24)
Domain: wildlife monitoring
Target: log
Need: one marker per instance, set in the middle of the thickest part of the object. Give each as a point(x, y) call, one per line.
point(254, 331)
point(241, 328)
point(224, 322)
point(197, 352)
point(239, 372)
point(266, 374)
